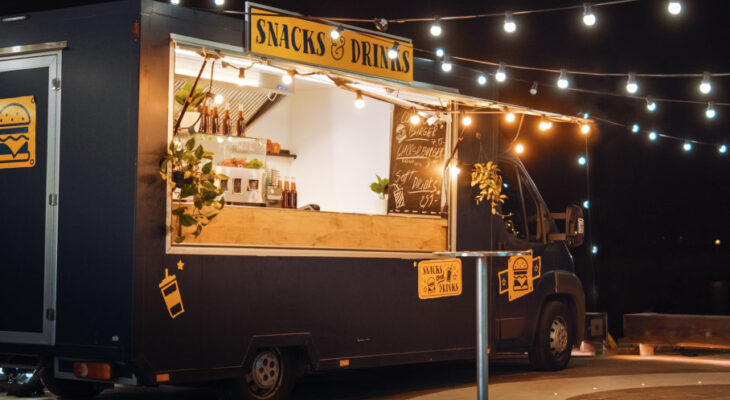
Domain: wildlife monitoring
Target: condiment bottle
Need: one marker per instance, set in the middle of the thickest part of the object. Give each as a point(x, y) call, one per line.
point(285, 194)
point(226, 122)
point(293, 194)
point(203, 110)
point(240, 123)
point(214, 121)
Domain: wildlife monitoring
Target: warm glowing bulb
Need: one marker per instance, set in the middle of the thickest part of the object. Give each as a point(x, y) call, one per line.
point(287, 78)
point(653, 136)
point(482, 79)
point(582, 160)
point(563, 79)
point(586, 204)
point(359, 101)
point(241, 79)
point(674, 7)
point(218, 99)
point(509, 117)
point(500, 76)
point(705, 85)
point(220, 2)
point(466, 120)
point(415, 119)
point(446, 66)
point(585, 129)
point(175, 2)
point(594, 249)
point(533, 88)
point(650, 105)
point(454, 170)
point(509, 23)
point(631, 85)
point(710, 113)
point(722, 149)
point(436, 28)
point(687, 146)
point(635, 128)
point(520, 148)
point(545, 125)
point(440, 52)
point(335, 33)
point(588, 17)
point(393, 51)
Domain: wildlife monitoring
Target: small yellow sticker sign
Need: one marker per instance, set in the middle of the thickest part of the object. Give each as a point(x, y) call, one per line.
point(439, 278)
point(17, 132)
point(517, 279)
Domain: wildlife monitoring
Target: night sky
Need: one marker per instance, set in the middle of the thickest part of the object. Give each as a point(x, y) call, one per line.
point(656, 210)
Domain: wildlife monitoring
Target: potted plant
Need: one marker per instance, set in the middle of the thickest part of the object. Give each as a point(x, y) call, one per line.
point(487, 177)
point(380, 187)
point(191, 117)
point(191, 170)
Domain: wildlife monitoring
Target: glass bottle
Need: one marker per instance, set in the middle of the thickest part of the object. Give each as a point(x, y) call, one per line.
point(214, 122)
point(293, 194)
point(285, 194)
point(240, 123)
point(226, 124)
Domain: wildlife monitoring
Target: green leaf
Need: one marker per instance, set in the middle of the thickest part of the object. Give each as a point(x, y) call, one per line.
point(209, 194)
point(188, 190)
point(178, 211)
point(187, 220)
point(190, 144)
point(179, 239)
point(207, 167)
point(199, 152)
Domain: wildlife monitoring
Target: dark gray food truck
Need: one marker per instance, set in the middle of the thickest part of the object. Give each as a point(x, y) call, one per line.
point(268, 247)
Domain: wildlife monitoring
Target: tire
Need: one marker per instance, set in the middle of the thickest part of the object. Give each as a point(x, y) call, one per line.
point(554, 338)
point(23, 382)
point(69, 389)
point(269, 376)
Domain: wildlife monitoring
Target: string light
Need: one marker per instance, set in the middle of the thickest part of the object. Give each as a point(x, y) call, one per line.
point(454, 170)
point(586, 204)
point(563, 79)
point(594, 249)
point(446, 65)
point(650, 105)
point(722, 149)
point(393, 52)
point(466, 121)
point(500, 76)
point(218, 99)
point(585, 129)
point(509, 117)
point(509, 23)
point(631, 85)
point(582, 160)
point(335, 33)
point(710, 112)
point(241, 77)
point(287, 78)
point(519, 149)
point(635, 128)
point(415, 119)
point(220, 2)
point(533, 88)
point(436, 27)
point(653, 136)
point(687, 146)
point(359, 101)
point(705, 85)
point(439, 52)
point(545, 124)
point(589, 19)
point(674, 7)
point(482, 79)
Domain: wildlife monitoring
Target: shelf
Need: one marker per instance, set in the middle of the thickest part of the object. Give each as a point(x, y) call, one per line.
point(285, 155)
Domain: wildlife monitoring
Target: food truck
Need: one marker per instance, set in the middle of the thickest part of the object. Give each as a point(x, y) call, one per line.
point(192, 197)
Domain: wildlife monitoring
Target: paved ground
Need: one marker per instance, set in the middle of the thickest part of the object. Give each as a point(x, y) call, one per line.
point(599, 378)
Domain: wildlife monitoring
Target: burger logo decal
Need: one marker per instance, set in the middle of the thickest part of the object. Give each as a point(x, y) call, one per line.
point(17, 132)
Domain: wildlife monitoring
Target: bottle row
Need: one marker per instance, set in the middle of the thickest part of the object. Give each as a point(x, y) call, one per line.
point(212, 122)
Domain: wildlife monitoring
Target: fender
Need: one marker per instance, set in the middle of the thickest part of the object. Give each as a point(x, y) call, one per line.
point(558, 284)
point(301, 340)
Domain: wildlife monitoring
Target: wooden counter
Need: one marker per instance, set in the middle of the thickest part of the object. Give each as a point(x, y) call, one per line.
point(315, 229)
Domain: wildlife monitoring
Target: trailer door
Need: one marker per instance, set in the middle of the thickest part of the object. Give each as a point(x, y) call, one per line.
point(29, 111)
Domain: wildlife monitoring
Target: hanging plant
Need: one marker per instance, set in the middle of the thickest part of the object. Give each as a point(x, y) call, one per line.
point(192, 172)
point(380, 187)
point(487, 177)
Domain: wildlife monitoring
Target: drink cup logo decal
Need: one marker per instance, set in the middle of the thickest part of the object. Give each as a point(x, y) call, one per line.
point(171, 295)
point(17, 132)
point(517, 280)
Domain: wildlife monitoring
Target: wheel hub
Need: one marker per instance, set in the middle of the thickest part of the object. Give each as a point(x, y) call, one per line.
point(558, 336)
point(265, 373)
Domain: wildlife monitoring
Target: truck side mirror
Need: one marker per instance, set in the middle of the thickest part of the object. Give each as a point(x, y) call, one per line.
point(574, 226)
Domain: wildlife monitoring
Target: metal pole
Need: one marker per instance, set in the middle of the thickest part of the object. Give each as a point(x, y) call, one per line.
point(482, 325)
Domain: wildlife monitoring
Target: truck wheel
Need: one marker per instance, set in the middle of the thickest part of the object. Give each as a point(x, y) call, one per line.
point(554, 338)
point(269, 376)
point(23, 382)
point(69, 389)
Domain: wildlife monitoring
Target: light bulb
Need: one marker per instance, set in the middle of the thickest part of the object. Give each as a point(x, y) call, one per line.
point(432, 120)
point(582, 160)
point(631, 85)
point(705, 85)
point(533, 89)
point(586, 204)
point(436, 27)
point(509, 23)
point(722, 149)
point(594, 249)
point(440, 52)
point(650, 105)
point(710, 113)
point(393, 52)
point(174, 2)
point(653, 136)
point(545, 125)
point(220, 2)
point(454, 170)
point(446, 66)
point(359, 101)
point(335, 33)
point(520, 148)
point(687, 146)
point(588, 17)
point(500, 76)
point(509, 117)
point(563, 79)
point(466, 120)
point(585, 129)
point(218, 99)
point(415, 119)
point(635, 128)
point(482, 79)
point(241, 79)
point(287, 78)
point(674, 7)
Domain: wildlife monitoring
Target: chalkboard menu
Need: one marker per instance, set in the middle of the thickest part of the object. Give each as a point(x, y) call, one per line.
point(416, 165)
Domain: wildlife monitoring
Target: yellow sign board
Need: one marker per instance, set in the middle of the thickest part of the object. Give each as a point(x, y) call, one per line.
point(17, 132)
point(297, 39)
point(439, 278)
point(517, 279)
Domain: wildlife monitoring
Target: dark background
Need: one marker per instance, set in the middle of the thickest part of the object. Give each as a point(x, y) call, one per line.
point(655, 210)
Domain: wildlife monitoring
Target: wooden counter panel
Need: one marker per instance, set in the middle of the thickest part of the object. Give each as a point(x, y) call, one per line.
point(313, 229)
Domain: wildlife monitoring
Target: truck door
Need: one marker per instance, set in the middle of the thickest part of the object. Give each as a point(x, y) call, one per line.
point(29, 108)
point(521, 229)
